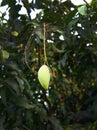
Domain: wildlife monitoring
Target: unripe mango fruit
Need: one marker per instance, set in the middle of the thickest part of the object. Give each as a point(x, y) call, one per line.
point(44, 76)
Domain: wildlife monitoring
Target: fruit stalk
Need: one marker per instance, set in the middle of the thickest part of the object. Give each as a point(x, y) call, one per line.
point(44, 44)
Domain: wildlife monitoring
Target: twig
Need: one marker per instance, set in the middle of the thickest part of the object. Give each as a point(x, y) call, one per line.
point(86, 2)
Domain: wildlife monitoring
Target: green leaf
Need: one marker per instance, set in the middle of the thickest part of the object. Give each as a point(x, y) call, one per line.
point(72, 23)
point(82, 10)
point(14, 67)
point(3, 95)
point(70, 16)
point(15, 33)
point(23, 102)
point(13, 85)
point(1, 85)
point(21, 83)
point(56, 124)
point(39, 32)
point(57, 50)
point(2, 120)
point(5, 54)
point(26, 83)
point(4, 2)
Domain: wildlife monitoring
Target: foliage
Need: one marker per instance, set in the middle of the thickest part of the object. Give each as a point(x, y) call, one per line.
point(71, 34)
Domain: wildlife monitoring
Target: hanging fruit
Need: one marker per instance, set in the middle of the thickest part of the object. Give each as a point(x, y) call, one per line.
point(44, 76)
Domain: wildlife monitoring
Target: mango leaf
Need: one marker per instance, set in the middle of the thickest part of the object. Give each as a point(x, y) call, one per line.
point(42, 112)
point(26, 83)
point(57, 50)
point(5, 2)
point(13, 85)
point(72, 23)
point(2, 119)
point(23, 102)
point(1, 85)
point(15, 33)
point(70, 16)
point(82, 10)
point(14, 67)
point(60, 31)
point(5, 54)
point(3, 95)
point(21, 83)
point(56, 123)
point(39, 32)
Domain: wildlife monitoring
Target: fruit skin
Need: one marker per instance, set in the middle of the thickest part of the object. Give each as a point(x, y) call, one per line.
point(44, 76)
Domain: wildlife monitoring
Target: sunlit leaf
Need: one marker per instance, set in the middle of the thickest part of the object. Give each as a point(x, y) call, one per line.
point(82, 10)
point(5, 54)
point(14, 33)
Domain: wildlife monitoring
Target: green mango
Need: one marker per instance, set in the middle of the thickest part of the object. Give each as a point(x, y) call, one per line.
point(44, 76)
